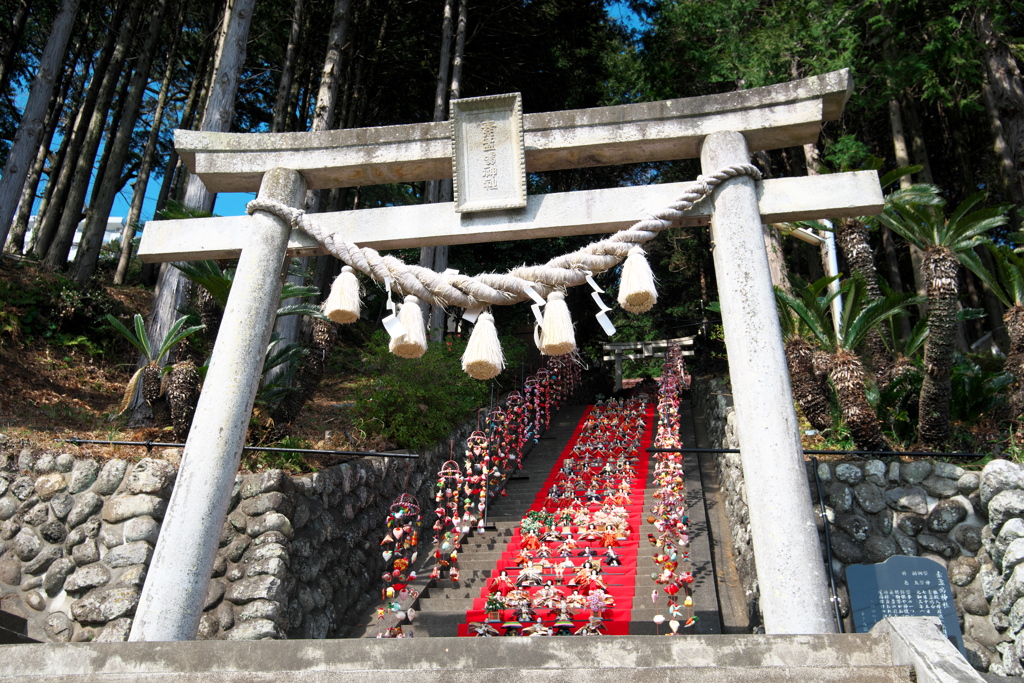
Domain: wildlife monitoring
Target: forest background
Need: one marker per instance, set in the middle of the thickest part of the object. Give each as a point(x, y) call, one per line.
point(90, 93)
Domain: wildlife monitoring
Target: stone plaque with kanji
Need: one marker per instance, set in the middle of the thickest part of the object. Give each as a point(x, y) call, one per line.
point(902, 587)
point(489, 161)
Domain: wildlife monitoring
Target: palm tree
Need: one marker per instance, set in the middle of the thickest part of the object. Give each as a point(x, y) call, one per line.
point(915, 214)
point(1007, 283)
point(152, 371)
point(844, 367)
point(810, 384)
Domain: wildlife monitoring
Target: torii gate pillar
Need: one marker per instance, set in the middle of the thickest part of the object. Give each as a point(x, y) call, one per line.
point(172, 599)
point(794, 589)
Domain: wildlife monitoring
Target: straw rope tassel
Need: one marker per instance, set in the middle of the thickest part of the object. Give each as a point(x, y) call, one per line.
point(557, 337)
point(342, 305)
point(483, 358)
point(412, 344)
point(637, 293)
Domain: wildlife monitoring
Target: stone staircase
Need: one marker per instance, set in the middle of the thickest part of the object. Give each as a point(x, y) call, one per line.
point(443, 607)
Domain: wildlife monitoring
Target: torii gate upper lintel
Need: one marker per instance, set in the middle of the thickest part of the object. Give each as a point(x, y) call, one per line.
point(773, 117)
point(721, 129)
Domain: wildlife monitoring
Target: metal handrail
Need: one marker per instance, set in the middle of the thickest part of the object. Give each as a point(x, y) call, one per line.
point(150, 445)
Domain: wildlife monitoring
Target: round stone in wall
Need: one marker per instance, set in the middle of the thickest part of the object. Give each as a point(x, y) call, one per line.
point(58, 627)
point(840, 497)
point(962, 570)
point(968, 483)
point(845, 549)
point(915, 472)
point(911, 524)
point(998, 476)
point(907, 499)
point(879, 548)
point(1008, 504)
point(869, 497)
point(939, 487)
point(969, 536)
point(849, 473)
point(857, 527)
point(945, 515)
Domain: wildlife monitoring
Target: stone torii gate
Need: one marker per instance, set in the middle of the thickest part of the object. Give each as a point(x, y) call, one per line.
point(722, 130)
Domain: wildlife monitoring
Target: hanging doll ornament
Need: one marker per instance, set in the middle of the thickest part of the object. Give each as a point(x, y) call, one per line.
point(474, 488)
point(669, 513)
point(515, 422)
point(446, 528)
point(544, 396)
point(399, 550)
point(498, 448)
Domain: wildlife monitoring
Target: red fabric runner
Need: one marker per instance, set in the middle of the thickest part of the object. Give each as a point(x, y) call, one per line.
point(620, 580)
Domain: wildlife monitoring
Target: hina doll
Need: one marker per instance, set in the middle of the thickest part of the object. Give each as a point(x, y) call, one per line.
point(530, 575)
point(548, 596)
point(501, 584)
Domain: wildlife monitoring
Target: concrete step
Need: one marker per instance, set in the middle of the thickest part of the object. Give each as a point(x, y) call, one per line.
point(865, 658)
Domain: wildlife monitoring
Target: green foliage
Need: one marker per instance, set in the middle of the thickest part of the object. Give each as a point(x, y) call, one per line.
point(976, 389)
point(289, 461)
point(859, 314)
point(915, 214)
point(217, 282)
point(1007, 282)
point(895, 405)
point(416, 402)
point(139, 340)
point(279, 354)
point(54, 309)
point(847, 153)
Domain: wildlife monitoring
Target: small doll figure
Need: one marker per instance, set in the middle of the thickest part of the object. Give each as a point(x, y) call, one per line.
point(560, 568)
point(531, 575)
point(609, 539)
point(502, 583)
point(524, 613)
point(537, 629)
point(611, 558)
point(517, 597)
point(563, 628)
point(548, 596)
point(482, 630)
point(562, 612)
point(531, 542)
point(591, 628)
point(576, 601)
point(522, 558)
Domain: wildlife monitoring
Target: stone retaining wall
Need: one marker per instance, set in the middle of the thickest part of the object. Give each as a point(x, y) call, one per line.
point(711, 397)
point(298, 555)
point(970, 522)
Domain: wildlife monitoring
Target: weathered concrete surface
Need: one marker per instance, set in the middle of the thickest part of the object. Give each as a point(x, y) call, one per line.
point(172, 599)
point(794, 591)
point(918, 642)
point(773, 117)
point(566, 213)
point(860, 657)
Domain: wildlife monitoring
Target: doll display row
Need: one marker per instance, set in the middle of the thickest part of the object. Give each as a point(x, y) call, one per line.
point(668, 513)
point(462, 494)
point(559, 570)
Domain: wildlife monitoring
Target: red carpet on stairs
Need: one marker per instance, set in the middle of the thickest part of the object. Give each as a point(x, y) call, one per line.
point(593, 494)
